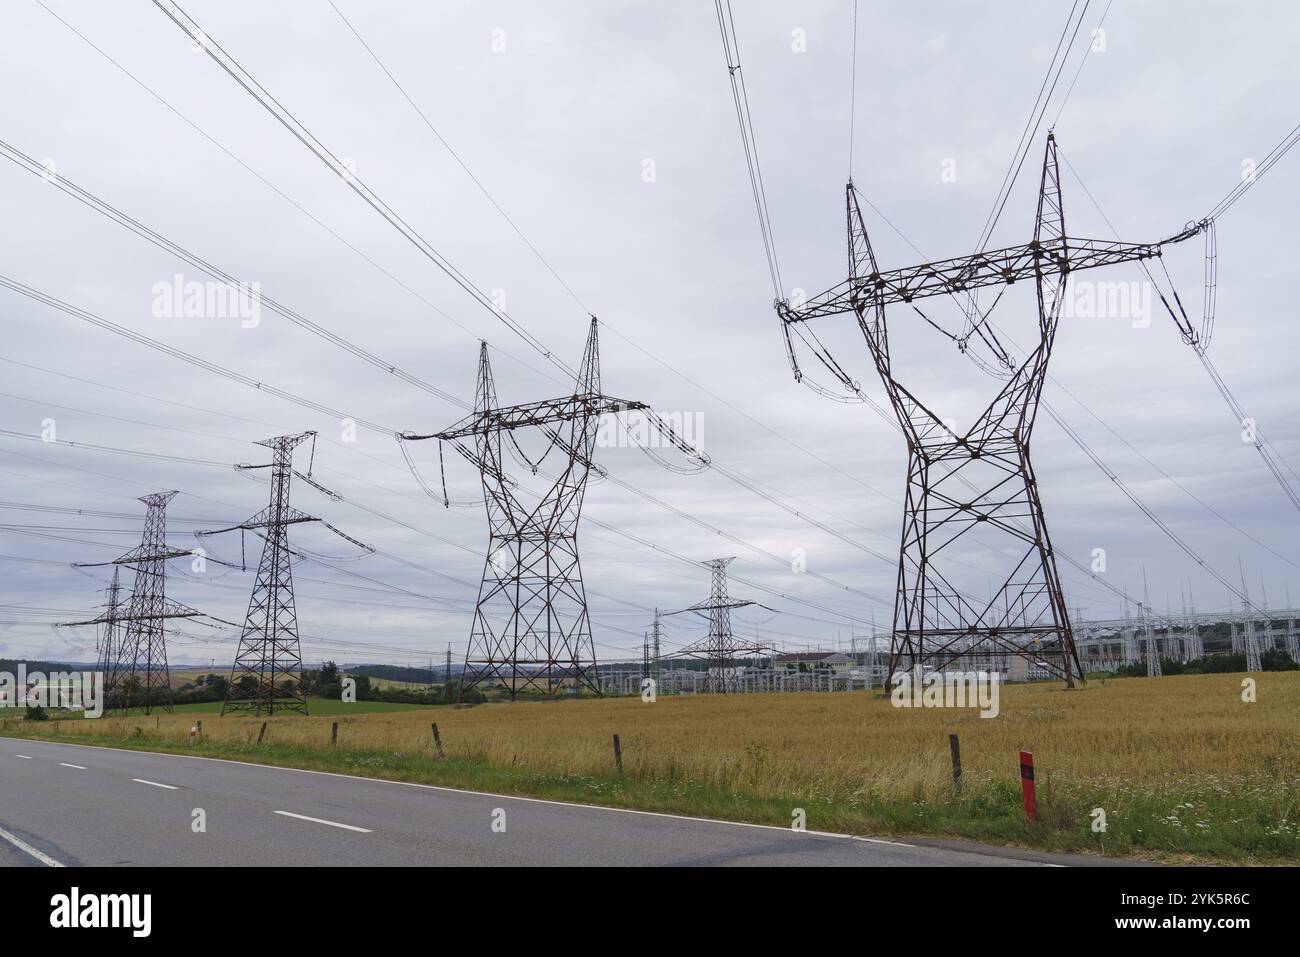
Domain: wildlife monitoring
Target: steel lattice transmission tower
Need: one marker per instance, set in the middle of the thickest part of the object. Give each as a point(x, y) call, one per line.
point(137, 668)
point(720, 648)
point(982, 479)
point(108, 649)
point(267, 673)
point(108, 643)
point(531, 628)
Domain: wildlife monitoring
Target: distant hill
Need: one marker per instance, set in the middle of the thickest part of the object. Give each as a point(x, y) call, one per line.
point(399, 673)
point(11, 665)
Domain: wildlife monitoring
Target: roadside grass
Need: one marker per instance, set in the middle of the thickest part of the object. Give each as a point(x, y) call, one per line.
point(1183, 768)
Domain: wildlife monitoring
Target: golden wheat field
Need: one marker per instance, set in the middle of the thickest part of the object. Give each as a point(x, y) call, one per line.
point(1150, 733)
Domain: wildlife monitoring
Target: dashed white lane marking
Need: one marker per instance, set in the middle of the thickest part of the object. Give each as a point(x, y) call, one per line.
point(25, 757)
point(321, 820)
point(169, 787)
point(65, 764)
point(28, 849)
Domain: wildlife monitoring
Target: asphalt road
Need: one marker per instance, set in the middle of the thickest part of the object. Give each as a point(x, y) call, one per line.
point(77, 805)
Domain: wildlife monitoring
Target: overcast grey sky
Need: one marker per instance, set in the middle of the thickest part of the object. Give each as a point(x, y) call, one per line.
point(558, 108)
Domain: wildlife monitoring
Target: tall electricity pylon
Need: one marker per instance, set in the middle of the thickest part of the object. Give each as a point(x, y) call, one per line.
point(720, 648)
point(982, 479)
point(531, 628)
point(137, 672)
point(267, 673)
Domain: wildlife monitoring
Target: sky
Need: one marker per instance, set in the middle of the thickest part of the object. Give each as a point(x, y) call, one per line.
point(606, 176)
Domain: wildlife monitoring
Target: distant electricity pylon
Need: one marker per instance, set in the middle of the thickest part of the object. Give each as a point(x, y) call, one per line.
point(981, 480)
point(531, 628)
point(720, 649)
point(267, 673)
point(108, 650)
point(138, 666)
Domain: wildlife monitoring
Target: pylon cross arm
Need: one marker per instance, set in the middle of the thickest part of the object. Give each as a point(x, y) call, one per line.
point(531, 414)
point(961, 274)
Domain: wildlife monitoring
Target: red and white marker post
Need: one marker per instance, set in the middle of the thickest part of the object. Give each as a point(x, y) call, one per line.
point(1027, 785)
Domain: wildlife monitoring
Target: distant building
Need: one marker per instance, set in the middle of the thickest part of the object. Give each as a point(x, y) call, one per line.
point(832, 662)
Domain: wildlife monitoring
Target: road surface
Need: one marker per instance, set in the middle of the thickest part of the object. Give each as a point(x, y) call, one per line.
point(65, 804)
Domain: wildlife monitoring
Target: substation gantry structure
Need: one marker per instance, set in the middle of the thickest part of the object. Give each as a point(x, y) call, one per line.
point(531, 629)
point(979, 485)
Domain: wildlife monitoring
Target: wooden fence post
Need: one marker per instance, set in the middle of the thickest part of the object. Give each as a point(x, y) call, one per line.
point(261, 734)
point(618, 755)
point(437, 740)
point(334, 735)
point(955, 747)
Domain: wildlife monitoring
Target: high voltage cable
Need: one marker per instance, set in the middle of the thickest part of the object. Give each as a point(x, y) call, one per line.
point(1027, 136)
point(545, 262)
point(194, 360)
point(1177, 484)
point(1265, 448)
point(94, 202)
point(1082, 62)
point(456, 156)
point(335, 165)
point(98, 513)
point(1078, 439)
point(275, 189)
point(193, 408)
point(425, 569)
point(87, 198)
point(1268, 163)
point(413, 528)
point(731, 51)
point(853, 87)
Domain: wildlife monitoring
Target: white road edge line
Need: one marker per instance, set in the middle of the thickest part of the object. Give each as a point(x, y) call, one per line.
point(64, 764)
point(516, 797)
point(169, 787)
point(28, 849)
point(25, 757)
point(321, 820)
